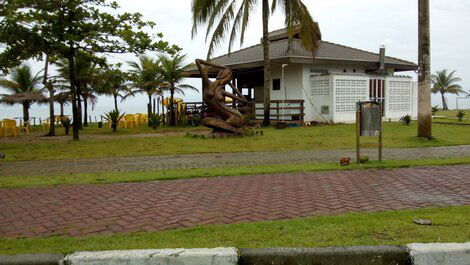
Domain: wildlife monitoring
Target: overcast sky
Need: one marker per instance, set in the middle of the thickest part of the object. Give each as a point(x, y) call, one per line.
point(363, 24)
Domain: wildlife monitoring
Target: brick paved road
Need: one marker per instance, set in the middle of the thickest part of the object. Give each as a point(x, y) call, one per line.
point(128, 207)
point(146, 163)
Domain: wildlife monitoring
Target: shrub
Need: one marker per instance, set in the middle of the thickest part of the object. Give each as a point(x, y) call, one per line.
point(406, 120)
point(154, 120)
point(195, 120)
point(66, 123)
point(114, 117)
point(434, 110)
point(460, 115)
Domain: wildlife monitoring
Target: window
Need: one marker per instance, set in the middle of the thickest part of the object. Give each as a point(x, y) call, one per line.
point(318, 71)
point(325, 109)
point(276, 84)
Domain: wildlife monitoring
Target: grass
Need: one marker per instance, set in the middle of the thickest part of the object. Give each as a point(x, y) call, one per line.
point(112, 177)
point(383, 228)
point(93, 129)
point(452, 113)
point(396, 135)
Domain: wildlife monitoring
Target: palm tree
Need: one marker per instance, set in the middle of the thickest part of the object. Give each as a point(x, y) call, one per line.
point(424, 71)
point(145, 78)
point(24, 88)
point(446, 83)
point(86, 76)
point(114, 83)
point(172, 72)
point(237, 13)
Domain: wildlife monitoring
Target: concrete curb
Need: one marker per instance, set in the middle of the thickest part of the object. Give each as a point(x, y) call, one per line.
point(416, 254)
point(440, 254)
point(364, 255)
point(214, 256)
point(31, 259)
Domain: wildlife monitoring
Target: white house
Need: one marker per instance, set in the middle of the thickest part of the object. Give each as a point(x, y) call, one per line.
point(329, 86)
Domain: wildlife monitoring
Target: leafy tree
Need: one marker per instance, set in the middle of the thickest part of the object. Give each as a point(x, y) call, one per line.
point(31, 28)
point(172, 72)
point(238, 13)
point(446, 83)
point(24, 88)
point(146, 78)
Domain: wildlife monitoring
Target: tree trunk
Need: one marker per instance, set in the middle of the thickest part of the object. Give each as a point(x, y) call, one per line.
point(61, 109)
point(172, 107)
point(267, 65)
point(85, 111)
point(75, 92)
point(51, 111)
point(115, 103)
point(444, 102)
point(424, 71)
point(25, 113)
point(149, 109)
point(79, 103)
point(50, 88)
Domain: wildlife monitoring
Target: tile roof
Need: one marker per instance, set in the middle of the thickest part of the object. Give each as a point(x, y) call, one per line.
point(326, 51)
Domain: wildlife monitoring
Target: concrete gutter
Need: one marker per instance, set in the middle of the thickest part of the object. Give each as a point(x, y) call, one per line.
point(31, 259)
point(364, 255)
point(440, 254)
point(412, 254)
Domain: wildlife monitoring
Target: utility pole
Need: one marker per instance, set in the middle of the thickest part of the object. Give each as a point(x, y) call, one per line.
point(424, 71)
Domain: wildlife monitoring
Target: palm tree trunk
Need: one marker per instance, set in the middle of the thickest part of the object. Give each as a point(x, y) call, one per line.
point(80, 112)
point(85, 112)
point(267, 66)
point(51, 112)
point(50, 88)
point(172, 106)
point(115, 103)
point(25, 113)
point(75, 92)
point(62, 109)
point(444, 101)
point(149, 108)
point(424, 71)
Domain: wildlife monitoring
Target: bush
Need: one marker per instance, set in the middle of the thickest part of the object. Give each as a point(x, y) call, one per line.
point(66, 123)
point(114, 117)
point(406, 120)
point(460, 115)
point(154, 120)
point(195, 120)
point(434, 110)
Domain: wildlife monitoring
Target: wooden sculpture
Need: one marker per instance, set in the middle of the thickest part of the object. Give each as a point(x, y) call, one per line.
point(228, 119)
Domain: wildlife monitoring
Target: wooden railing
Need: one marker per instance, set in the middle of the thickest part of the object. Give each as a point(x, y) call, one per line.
point(289, 111)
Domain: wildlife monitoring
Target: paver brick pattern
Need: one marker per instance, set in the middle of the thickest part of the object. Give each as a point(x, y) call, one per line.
point(147, 163)
point(154, 206)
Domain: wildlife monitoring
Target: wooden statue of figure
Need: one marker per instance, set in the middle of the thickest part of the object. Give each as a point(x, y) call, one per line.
point(231, 120)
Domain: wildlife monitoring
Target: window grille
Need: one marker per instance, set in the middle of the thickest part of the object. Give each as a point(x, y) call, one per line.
point(319, 87)
point(347, 93)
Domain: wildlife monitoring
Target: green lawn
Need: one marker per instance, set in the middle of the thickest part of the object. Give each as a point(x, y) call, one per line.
point(396, 135)
point(93, 129)
point(383, 228)
point(112, 177)
point(452, 113)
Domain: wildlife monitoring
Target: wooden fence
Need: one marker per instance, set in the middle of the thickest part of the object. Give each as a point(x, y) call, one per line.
point(289, 111)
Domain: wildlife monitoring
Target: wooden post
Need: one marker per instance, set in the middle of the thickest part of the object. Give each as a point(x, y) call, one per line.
point(277, 111)
point(358, 136)
point(302, 112)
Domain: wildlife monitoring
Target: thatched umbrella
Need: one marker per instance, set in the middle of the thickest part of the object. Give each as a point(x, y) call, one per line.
point(24, 98)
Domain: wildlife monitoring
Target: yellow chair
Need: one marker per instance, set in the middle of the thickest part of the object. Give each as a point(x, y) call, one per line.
point(10, 128)
point(2, 130)
point(141, 119)
point(129, 121)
